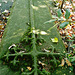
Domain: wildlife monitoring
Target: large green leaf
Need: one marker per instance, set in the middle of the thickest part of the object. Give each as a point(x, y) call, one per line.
point(73, 46)
point(73, 59)
point(59, 13)
point(64, 24)
point(67, 14)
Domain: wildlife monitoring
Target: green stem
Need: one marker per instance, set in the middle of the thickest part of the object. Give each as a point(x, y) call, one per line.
point(53, 26)
point(17, 54)
point(62, 4)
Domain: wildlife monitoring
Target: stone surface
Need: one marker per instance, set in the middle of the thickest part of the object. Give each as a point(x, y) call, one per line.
point(36, 13)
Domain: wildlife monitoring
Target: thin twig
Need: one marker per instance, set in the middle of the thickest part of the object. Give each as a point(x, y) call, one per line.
point(62, 4)
point(54, 26)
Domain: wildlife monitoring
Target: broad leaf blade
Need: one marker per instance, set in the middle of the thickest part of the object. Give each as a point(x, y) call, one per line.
point(64, 24)
point(73, 46)
point(59, 13)
point(67, 14)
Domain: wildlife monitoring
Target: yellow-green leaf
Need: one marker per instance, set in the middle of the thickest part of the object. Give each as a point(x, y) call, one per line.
point(54, 40)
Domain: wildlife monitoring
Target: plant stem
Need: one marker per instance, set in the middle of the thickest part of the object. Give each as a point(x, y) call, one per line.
point(62, 4)
point(53, 26)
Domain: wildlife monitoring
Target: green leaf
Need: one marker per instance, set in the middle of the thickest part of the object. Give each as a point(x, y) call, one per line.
point(71, 68)
point(73, 46)
point(64, 24)
point(52, 20)
point(73, 59)
point(70, 40)
point(54, 16)
point(59, 13)
point(67, 14)
point(55, 40)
